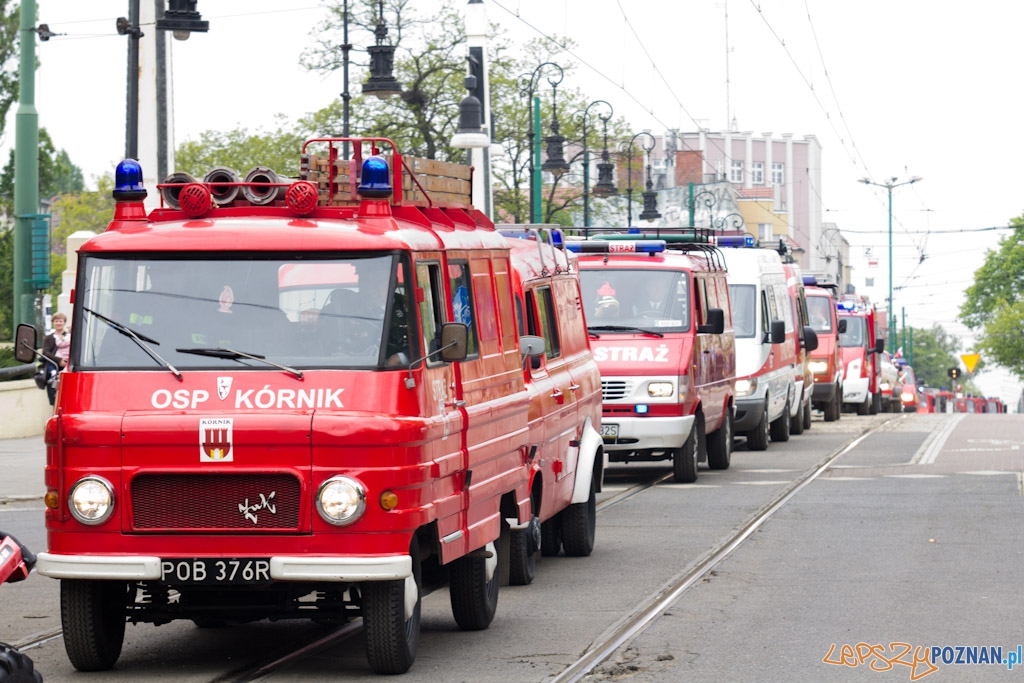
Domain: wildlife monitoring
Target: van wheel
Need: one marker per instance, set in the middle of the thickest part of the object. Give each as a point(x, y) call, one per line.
point(522, 553)
point(579, 526)
point(473, 588)
point(865, 407)
point(807, 415)
point(876, 403)
point(757, 438)
point(780, 427)
point(796, 423)
point(833, 408)
point(551, 536)
point(719, 444)
point(391, 639)
point(684, 460)
point(92, 614)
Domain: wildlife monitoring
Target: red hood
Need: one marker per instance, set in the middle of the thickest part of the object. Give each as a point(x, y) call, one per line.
point(641, 354)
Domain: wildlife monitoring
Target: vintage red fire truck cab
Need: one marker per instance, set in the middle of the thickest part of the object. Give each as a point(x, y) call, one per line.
point(861, 347)
point(661, 330)
point(826, 361)
point(289, 411)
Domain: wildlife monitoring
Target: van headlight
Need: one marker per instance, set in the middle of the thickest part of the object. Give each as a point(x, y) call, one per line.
point(745, 387)
point(341, 500)
point(818, 367)
point(91, 500)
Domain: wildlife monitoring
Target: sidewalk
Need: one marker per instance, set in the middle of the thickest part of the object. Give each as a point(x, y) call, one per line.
point(22, 463)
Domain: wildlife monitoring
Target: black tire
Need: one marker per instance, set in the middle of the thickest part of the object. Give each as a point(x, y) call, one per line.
point(796, 423)
point(780, 427)
point(93, 617)
point(579, 525)
point(807, 415)
point(757, 438)
point(719, 444)
point(551, 537)
point(876, 404)
point(684, 460)
point(16, 667)
point(391, 639)
point(833, 408)
point(865, 407)
point(522, 553)
point(474, 598)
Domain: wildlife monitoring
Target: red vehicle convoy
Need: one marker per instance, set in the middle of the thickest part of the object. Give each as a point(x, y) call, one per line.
point(826, 361)
point(296, 410)
point(661, 331)
point(805, 341)
point(862, 347)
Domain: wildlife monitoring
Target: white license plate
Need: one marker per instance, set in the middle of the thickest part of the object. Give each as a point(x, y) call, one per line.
point(218, 571)
point(610, 430)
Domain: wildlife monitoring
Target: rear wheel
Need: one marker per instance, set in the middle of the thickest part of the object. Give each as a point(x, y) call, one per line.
point(719, 444)
point(392, 637)
point(551, 536)
point(473, 588)
point(876, 403)
point(522, 553)
point(796, 423)
point(757, 438)
point(780, 427)
point(807, 415)
point(579, 525)
point(93, 616)
point(684, 460)
point(16, 667)
point(865, 407)
point(833, 408)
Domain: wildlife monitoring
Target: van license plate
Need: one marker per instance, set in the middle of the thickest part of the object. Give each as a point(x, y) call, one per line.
point(216, 571)
point(610, 430)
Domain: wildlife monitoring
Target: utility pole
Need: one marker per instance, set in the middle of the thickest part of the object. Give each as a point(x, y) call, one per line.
point(26, 168)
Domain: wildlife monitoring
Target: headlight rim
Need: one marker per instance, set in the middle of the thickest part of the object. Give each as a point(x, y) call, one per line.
point(73, 509)
point(360, 509)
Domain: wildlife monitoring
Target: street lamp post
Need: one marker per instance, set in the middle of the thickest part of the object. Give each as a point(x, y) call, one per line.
point(889, 185)
point(556, 157)
point(650, 211)
point(600, 190)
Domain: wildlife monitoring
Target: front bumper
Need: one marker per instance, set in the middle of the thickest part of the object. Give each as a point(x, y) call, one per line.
point(824, 392)
point(748, 414)
point(146, 568)
point(855, 390)
point(647, 433)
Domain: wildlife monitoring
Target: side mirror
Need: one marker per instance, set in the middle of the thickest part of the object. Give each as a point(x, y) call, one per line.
point(879, 345)
point(715, 322)
point(25, 343)
point(533, 348)
point(776, 332)
point(454, 340)
point(810, 338)
point(842, 326)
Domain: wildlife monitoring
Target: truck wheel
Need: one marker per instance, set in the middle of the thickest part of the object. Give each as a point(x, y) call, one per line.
point(865, 407)
point(796, 423)
point(833, 408)
point(579, 525)
point(719, 444)
point(391, 639)
point(757, 438)
point(551, 536)
point(684, 460)
point(780, 427)
point(92, 614)
point(523, 545)
point(807, 415)
point(473, 588)
point(16, 667)
point(876, 404)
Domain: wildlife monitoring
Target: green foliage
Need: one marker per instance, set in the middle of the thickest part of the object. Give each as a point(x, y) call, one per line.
point(934, 353)
point(10, 19)
point(994, 305)
point(239, 150)
point(83, 211)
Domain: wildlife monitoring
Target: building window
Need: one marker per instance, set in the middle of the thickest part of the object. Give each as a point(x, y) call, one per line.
point(778, 178)
point(869, 282)
point(757, 173)
point(736, 174)
point(764, 232)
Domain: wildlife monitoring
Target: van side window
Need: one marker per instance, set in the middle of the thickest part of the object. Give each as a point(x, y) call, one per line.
point(549, 328)
point(428, 279)
point(766, 311)
point(462, 302)
point(724, 300)
point(700, 299)
point(520, 315)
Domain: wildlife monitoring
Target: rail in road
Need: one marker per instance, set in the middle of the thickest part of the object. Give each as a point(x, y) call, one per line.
point(769, 480)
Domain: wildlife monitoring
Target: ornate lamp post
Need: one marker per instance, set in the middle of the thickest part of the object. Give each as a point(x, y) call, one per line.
point(608, 188)
point(889, 185)
point(556, 156)
point(650, 211)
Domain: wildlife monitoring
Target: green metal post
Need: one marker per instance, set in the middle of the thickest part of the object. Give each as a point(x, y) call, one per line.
point(910, 356)
point(892, 306)
point(690, 204)
point(535, 201)
point(26, 167)
point(903, 326)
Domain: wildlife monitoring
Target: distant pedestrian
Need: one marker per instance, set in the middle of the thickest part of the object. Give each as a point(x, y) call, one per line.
point(56, 348)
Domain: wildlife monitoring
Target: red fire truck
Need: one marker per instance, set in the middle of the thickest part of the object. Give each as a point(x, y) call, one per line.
point(279, 408)
point(862, 344)
point(826, 361)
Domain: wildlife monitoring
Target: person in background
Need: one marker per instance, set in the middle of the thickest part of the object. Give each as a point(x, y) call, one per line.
point(56, 347)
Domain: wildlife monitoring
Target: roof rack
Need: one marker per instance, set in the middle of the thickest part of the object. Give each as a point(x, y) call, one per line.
point(685, 239)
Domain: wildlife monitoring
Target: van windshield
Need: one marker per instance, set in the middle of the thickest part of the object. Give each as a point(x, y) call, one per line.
point(744, 309)
point(856, 331)
point(295, 310)
point(819, 308)
point(625, 299)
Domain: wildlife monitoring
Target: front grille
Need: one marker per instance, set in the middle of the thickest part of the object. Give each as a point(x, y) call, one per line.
point(615, 389)
point(214, 502)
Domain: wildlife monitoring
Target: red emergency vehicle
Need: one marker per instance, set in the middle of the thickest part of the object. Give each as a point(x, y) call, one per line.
point(862, 345)
point(826, 361)
point(805, 341)
point(296, 411)
point(661, 331)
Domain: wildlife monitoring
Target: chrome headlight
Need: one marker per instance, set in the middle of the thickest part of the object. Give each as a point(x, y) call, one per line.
point(745, 387)
point(91, 500)
point(341, 500)
point(818, 367)
point(907, 397)
point(884, 385)
point(660, 389)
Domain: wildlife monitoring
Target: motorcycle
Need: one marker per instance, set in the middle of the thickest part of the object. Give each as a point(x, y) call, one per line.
point(16, 563)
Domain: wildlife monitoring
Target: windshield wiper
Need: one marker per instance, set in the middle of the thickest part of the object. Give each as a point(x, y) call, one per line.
point(623, 328)
point(231, 354)
point(139, 339)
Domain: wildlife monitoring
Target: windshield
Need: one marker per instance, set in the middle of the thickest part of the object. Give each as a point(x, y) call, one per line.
point(622, 300)
point(819, 309)
point(298, 311)
point(856, 331)
point(744, 309)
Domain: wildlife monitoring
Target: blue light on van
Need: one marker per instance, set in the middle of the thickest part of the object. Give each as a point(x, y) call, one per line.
point(376, 183)
point(736, 241)
point(128, 181)
point(642, 409)
point(846, 305)
point(616, 247)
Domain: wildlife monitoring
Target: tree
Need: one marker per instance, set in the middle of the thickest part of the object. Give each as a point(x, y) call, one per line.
point(935, 351)
point(994, 305)
point(10, 20)
point(241, 151)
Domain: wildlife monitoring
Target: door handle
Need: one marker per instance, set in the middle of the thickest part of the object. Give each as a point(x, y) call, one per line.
point(455, 404)
point(574, 387)
point(558, 396)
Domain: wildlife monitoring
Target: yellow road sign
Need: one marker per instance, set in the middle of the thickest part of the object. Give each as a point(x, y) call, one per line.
point(970, 360)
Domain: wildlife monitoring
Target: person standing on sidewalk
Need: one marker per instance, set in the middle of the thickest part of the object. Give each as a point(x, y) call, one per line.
point(56, 347)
